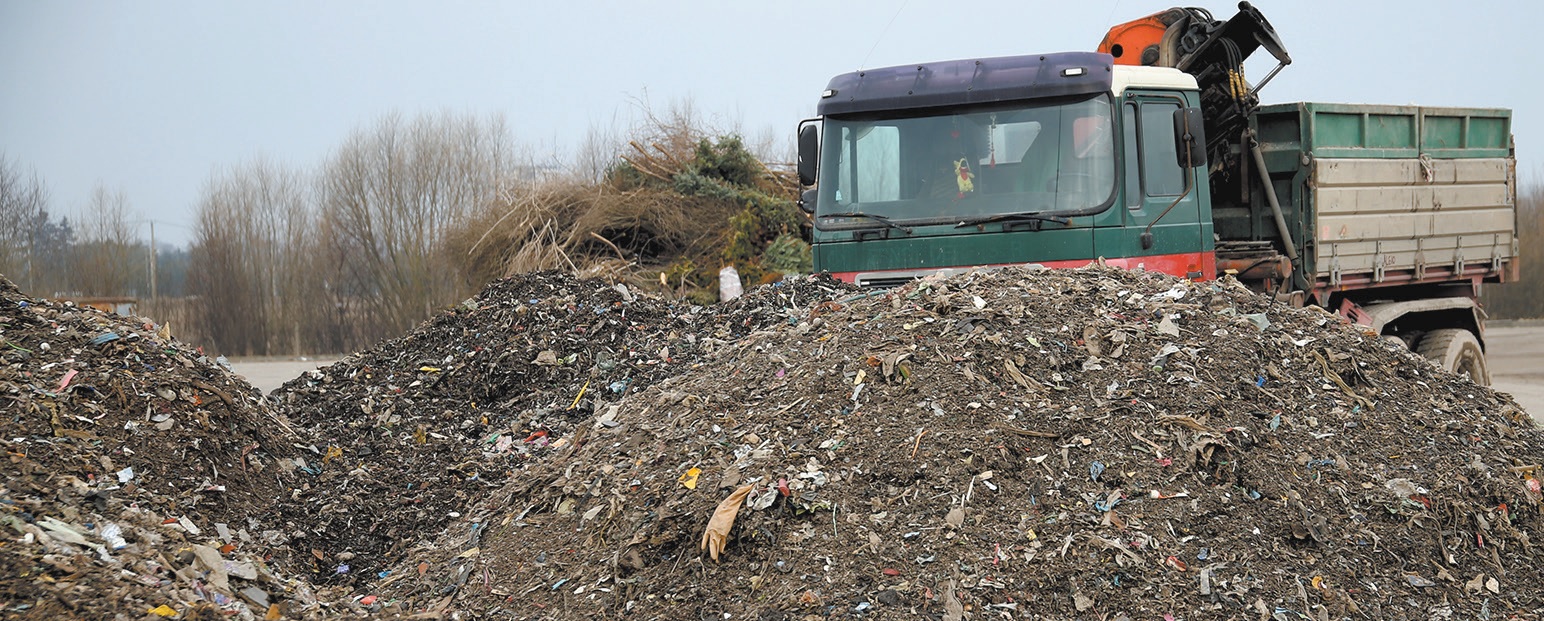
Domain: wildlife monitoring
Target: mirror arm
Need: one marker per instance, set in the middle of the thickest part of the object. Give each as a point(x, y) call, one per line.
point(1190, 184)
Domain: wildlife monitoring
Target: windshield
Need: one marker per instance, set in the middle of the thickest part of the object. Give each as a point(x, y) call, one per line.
point(968, 163)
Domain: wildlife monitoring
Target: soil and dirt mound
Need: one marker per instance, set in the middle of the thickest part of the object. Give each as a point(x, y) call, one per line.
point(418, 429)
point(138, 473)
point(1055, 444)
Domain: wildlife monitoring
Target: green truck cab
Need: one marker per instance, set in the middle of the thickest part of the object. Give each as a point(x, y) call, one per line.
point(1055, 159)
point(1391, 216)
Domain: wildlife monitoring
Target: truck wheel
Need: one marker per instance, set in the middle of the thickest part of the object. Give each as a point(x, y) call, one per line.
point(1457, 351)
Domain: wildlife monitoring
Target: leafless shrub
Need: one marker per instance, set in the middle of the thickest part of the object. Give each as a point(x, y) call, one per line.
point(106, 260)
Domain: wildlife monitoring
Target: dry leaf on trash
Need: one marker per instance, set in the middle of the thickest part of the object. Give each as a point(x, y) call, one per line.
point(955, 518)
point(954, 610)
point(717, 533)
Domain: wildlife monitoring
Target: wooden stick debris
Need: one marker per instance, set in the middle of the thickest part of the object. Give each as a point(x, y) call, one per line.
point(1030, 433)
point(1188, 422)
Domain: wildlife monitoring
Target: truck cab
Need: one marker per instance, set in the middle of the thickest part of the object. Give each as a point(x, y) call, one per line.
point(1392, 217)
point(1055, 159)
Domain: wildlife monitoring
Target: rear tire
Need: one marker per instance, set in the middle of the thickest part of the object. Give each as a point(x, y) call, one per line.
point(1457, 351)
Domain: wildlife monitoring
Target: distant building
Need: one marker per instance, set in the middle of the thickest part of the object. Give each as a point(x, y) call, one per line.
point(120, 305)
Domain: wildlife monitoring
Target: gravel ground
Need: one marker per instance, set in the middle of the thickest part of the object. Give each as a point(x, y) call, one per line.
point(1516, 360)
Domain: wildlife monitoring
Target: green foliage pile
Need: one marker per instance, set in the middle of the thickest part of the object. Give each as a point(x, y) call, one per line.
point(761, 237)
point(724, 170)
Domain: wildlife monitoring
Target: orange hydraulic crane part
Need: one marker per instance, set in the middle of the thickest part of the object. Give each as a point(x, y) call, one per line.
point(1137, 42)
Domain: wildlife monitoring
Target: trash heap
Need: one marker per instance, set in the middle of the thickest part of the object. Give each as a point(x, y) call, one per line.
point(412, 433)
point(1089, 443)
point(138, 474)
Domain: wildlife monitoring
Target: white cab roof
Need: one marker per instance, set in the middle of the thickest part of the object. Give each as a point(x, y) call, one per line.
point(1168, 78)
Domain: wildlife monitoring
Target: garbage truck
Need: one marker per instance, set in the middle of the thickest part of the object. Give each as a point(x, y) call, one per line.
point(1154, 152)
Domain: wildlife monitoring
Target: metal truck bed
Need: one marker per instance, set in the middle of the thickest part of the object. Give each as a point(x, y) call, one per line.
point(1386, 195)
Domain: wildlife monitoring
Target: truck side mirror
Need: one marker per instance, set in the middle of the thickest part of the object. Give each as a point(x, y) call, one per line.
point(809, 152)
point(1189, 137)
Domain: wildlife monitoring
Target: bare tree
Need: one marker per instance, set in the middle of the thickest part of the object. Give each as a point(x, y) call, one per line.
point(105, 259)
point(1524, 298)
point(598, 153)
point(23, 210)
point(390, 196)
point(254, 252)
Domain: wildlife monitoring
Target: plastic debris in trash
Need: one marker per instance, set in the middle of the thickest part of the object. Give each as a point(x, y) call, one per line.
point(112, 534)
point(729, 286)
point(1109, 502)
point(689, 478)
point(65, 381)
point(716, 535)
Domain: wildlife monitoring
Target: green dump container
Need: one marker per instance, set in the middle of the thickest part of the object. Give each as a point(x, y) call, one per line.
point(1379, 131)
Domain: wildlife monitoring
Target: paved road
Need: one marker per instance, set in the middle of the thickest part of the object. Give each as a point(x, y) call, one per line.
point(1516, 359)
point(270, 373)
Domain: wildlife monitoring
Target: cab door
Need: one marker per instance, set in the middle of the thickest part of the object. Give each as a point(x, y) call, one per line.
point(1154, 194)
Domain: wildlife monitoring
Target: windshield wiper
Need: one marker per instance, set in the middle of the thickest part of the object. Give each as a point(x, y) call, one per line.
point(877, 218)
point(1023, 216)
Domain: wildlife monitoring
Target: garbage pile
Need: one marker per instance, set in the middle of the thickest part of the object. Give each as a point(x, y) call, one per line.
point(417, 430)
point(137, 474)
point(1089, 443)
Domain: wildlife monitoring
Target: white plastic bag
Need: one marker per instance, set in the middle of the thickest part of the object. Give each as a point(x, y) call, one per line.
point(729, 286)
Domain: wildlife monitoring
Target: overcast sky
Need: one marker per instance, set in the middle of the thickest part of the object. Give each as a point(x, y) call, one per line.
point(150, 97)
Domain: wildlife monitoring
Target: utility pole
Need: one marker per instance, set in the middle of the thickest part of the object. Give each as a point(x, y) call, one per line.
point(32, 242)
point(154, 301)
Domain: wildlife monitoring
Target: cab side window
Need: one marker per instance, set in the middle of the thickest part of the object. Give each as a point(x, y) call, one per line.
point(1161, 174)
point(1152, 166)
point(1133, 165)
